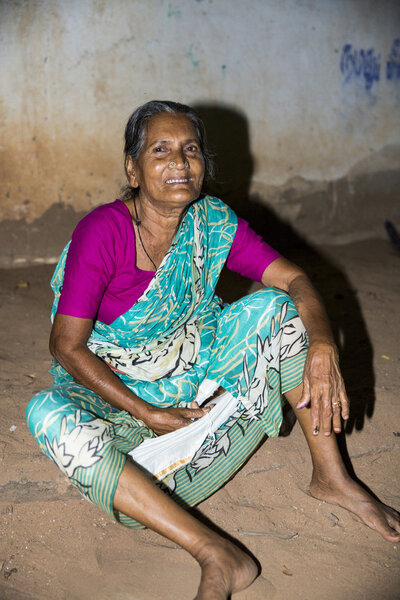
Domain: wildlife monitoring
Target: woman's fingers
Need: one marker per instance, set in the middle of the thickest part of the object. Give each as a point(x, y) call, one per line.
point(315, 414)
point(305, 396)
point(340, 407)
point(324, 390)
point(327, 413)
point(165, 420)
point(336, 418)
point(196, 413)
point(345, 404)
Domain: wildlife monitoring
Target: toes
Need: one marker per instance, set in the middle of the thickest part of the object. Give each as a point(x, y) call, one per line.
point(394, 520)
point(388, 524)
point(383, 519)
point(391, 536)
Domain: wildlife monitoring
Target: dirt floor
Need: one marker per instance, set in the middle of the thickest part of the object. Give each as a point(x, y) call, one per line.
point(55, 545)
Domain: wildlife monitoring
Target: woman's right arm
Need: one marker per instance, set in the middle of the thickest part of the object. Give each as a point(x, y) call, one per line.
point(68, 341)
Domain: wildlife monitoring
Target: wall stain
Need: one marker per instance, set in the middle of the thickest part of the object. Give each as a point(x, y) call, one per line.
point(190, 54)
point(41, 241)
point(173, 12)
point(338, 211)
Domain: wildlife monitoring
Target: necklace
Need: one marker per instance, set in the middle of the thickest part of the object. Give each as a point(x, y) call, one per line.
point(138, 223)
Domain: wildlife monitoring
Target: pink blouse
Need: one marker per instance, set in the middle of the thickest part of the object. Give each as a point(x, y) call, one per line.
point(101, 280)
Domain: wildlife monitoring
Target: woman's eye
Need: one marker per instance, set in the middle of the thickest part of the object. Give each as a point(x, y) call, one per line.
point(159, 149)
point(192, 148)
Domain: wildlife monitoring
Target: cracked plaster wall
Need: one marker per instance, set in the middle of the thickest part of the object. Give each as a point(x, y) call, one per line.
point(302, 100)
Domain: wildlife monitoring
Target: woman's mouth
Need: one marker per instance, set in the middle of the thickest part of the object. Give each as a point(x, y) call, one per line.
point(181, 180)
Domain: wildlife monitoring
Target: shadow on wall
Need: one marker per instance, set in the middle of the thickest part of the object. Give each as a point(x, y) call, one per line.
point(228, 138)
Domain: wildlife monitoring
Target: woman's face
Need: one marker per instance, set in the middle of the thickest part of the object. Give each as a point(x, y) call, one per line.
point(170, 167)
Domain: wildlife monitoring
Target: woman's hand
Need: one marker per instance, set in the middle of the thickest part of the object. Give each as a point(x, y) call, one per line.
point(323, 389)
point(323, 386)
point(165, 420)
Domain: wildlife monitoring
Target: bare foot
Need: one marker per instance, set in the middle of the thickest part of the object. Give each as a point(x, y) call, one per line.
point(350, 495)
point(225, 569)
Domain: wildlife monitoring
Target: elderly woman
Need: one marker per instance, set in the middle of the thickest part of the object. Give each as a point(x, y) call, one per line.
point(141, 340)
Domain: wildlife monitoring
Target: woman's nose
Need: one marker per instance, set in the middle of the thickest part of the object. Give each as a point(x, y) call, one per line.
point(179, 161)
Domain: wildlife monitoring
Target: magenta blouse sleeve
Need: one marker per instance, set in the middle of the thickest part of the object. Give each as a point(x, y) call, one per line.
point(89, 267)
point(250, 255)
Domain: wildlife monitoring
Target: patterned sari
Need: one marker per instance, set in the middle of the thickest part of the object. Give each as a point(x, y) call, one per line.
point(178, 335)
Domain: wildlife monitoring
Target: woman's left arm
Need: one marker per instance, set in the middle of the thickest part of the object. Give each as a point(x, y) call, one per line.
point(323, 385)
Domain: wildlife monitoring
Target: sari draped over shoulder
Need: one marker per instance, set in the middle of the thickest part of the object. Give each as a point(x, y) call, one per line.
point(161, 346)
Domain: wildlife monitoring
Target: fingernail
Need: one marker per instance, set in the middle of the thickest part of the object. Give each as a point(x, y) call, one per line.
point(316, 430)
point(337, 430)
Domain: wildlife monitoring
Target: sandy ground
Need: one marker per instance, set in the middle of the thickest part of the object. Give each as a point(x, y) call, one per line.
point(56, 545)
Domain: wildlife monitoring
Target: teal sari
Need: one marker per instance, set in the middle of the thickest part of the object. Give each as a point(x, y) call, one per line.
point(178, 334)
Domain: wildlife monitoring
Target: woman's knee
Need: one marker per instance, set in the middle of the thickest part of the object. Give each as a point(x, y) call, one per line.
point(44, 404)
point(267, 302)
point(37, 409)
point(269, 297)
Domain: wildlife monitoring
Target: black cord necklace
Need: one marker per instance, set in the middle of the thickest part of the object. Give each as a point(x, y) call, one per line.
point(138, 223)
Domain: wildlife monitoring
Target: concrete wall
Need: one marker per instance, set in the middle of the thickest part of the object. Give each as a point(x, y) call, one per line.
point(301, 98)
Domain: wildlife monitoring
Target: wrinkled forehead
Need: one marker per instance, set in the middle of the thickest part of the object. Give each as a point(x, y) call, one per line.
point(169, 126)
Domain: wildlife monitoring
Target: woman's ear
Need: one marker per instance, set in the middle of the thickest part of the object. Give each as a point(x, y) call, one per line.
point(130, 172)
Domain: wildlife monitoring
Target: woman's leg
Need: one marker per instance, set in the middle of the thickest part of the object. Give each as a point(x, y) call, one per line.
point(88, 439)
point(331, 482)
point(225, 568)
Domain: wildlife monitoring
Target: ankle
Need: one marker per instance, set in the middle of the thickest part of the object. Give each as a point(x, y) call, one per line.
point(204, 548)
point(328, 478)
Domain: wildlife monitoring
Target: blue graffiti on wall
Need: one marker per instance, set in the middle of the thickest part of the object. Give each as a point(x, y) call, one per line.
point(364, 66)
point(393, 62)
point(361, 65)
